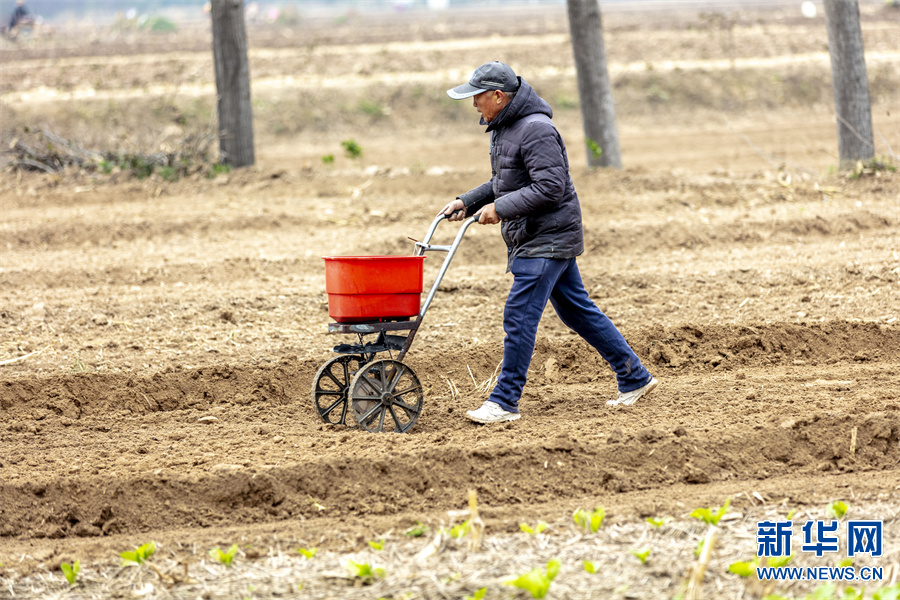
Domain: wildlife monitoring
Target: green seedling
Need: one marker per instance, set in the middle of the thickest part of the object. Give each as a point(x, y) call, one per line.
point(225, 558)
point(379, 545)
point(328, 159)
point(699, 547)
point(642, 555)
point(590, 567)
point(217, 169)
point(744, 568)
point(847, 562)
point(139, 555)
point(853, 594)
point(823, 592)
point(460, 531)
point(71, 571)
point(780, 561)
point(478, 595)
point(891, 592)
point(307, 552)
point(539, 528)
point(351, 148)
point(748, 568)
point(709, 515)
point(656, 522)
point(836, 509)
point(365, 572)
point(589, 521)
point(790, 515)
point(417, 530)
point(535, 582)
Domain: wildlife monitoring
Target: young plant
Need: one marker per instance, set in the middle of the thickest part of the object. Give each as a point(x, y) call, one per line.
point(853, 594)
point(217, 169)
point(461, 530)
point(535, 582)
point(836, 509)
point(642, 555)
point(744, 568)
point(539, 528)
point(656, 522)
point(351, 148)
point(307, 552)
point(71, 571)
point(590, 567)
point(379, 545)
point(780, 561)
point(589, 521)
point(711, 516)
point(748, 568)
point(892, 592)
point(478, 595)
point(139, 555)
point(417, 530)
point(225, 558)
point(823, 592)
point(365, 572)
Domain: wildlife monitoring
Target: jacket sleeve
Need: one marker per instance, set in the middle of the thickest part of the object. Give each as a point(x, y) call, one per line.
point(478, 197)
point(548, 171)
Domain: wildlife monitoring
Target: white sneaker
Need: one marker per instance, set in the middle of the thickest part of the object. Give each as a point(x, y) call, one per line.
point(490, 412)
point(629, 398)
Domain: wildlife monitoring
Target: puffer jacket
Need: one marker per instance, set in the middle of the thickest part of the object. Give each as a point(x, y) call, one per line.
point(530, 185)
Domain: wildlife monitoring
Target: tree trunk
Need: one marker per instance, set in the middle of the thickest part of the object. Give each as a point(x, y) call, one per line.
point(850, 83)
point(598, 112)
point(232, 83)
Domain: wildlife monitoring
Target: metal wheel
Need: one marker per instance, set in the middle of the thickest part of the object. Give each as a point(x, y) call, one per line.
point(330, 385)
point(386, 395)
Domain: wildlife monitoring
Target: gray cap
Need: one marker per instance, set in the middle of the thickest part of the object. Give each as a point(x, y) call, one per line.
point(489, 76)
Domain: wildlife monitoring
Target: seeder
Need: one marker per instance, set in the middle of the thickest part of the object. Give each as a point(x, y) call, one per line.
point(378, 299)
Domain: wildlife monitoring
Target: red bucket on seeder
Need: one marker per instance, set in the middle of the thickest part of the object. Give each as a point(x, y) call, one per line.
point(373, 288)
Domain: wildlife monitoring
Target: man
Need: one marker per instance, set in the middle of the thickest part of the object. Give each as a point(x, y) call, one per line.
point(19, 14)
point(532, 195)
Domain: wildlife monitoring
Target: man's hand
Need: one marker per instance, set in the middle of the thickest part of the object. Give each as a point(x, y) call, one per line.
point(455, 210)
point(489, 215)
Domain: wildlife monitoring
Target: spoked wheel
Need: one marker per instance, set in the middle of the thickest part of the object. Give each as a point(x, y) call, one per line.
point(330, 385)
point(386, 395)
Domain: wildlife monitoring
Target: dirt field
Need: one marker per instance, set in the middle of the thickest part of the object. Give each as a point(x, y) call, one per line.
point(159, 339)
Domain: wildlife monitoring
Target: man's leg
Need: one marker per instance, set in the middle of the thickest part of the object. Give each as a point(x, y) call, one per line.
point(534, 280)
point(578, 312)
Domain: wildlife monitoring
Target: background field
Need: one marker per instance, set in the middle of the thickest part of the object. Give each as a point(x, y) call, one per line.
point(758, 285)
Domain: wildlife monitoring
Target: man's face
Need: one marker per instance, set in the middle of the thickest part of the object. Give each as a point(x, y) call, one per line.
point(489, 104)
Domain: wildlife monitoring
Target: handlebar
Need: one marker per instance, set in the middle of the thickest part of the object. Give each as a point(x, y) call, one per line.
point(424, 245)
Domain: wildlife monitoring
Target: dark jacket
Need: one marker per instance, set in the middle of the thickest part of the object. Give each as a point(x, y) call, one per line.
point(530, 184)
point(19, 14)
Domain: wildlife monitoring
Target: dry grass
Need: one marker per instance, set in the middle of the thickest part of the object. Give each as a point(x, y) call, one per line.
point(454, 570)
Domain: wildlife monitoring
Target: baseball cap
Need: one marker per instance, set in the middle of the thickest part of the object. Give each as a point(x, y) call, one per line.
point(494, 75)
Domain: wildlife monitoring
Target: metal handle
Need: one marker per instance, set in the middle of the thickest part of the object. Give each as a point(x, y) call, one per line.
point(451, 251)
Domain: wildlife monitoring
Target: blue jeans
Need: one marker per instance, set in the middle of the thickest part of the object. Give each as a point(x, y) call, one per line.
point(536, 280)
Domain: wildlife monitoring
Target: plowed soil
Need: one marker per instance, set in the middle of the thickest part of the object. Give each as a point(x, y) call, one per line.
point(167, 333)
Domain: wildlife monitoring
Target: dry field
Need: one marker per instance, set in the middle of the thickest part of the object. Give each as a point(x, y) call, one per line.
point(159, 338)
